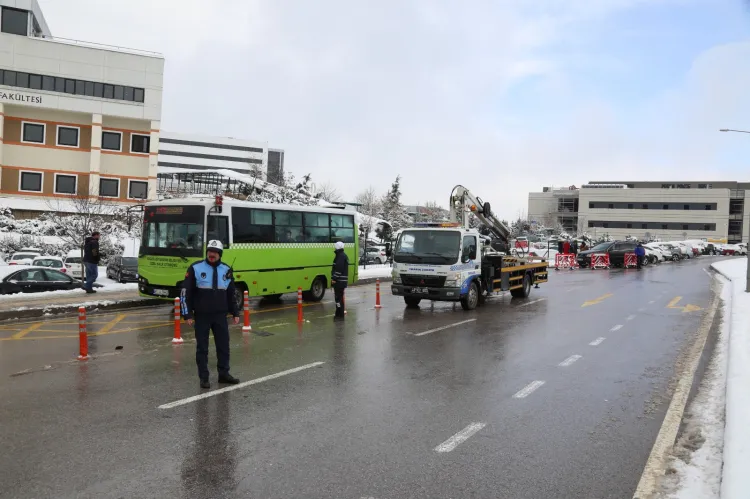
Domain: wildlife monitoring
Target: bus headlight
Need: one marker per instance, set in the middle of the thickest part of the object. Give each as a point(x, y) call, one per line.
point(396, 278)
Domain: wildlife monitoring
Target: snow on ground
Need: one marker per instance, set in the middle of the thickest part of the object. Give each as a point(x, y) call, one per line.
point(695, 466)
point(374, 271)
point(735, 482)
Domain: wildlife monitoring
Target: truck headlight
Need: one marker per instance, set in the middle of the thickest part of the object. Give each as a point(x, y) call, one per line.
point(396, 278)
point(452, 280)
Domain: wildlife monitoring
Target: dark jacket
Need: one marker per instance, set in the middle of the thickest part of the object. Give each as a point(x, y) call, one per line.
point(208, 289)
point(640, 251)
point(91, 251)
point(340, 269)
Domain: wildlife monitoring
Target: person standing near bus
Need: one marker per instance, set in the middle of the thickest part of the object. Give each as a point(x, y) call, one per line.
point(339, 278)
point(91, 258)
point(207, 296)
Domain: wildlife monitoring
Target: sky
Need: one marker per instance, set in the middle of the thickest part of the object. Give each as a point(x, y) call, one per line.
point(501, 96)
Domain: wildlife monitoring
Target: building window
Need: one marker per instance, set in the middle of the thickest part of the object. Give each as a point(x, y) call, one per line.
point(630, 206)
point(610, 206)
point(644, 206)
point(30, 182)
point(128, 95)
point(48, 83)
point(119, 92)
point(35, 82)
point(80, 87)
point(138, 94)
point(629, 226)
point(686, 207)
point(708, 207)
point(112, 141)
point(707, 227)
point(67, 136)
point(33, 132)
point(591, 205)
point(644, 226)
point(98, 89)
point(140, 143)
point(663, 226)
point(22, 79)
point(684, 226)
point(109, 91)
point(605, 225)
point(137, 189)
point(109, 187)
point(665, 207)
point(88, 88)
point(15, 21)
point(65, 184)
point(70, 86)
point(9, 78)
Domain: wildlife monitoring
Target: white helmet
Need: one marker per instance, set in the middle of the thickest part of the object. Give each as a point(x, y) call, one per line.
point(339, 245)
point(215, 245)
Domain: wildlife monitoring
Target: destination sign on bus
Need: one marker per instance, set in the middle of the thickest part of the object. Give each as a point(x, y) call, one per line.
point(169, 210)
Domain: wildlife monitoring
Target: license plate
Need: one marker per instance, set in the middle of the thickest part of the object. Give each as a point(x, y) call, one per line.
point(420, 291)
point(161, 292)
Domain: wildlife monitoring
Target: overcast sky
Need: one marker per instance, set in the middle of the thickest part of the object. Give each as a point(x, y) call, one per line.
point(501, 96)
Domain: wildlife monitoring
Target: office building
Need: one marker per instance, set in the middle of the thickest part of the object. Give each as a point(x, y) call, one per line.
point(77, 118)
point(670, 210)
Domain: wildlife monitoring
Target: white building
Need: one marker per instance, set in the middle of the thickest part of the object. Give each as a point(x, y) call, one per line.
point(77, 118)
point(664, 210)
point(199, 152)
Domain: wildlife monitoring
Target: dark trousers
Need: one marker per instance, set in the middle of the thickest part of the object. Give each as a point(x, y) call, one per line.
point(640, 260)
point(204, 323)
point(338, 294)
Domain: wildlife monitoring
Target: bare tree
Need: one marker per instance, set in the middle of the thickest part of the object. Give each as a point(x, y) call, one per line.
point(432, 212)
point(327, 192)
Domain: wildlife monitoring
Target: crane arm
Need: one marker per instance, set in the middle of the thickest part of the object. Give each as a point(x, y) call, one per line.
point(463, 202)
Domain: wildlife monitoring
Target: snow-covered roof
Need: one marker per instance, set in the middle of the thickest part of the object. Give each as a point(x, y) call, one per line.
point(36, 204)
point(208, 201)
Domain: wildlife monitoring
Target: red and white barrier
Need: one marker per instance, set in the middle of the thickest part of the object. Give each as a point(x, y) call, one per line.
point(300, 316)
point(83, 337)
point(177, 339)
point(599, 261)
point(565, 261)
point(630, 261)
point(246, 328)
point(377, 294)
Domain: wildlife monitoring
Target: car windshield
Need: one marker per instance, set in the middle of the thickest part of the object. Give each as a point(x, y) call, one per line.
point(73, 259)
point(173, 231)
point(428, 246)
point(601, 247)
point(48, 262)
point(23, 256)
point(129, 261)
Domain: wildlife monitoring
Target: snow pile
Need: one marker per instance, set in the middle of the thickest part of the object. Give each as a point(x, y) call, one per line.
point(736, 479)
point(375, 271)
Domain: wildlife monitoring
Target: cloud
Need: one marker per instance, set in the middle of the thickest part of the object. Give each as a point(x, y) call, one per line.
point(503, 96)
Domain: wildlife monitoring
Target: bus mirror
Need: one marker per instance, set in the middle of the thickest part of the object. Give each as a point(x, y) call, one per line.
point(388, 249)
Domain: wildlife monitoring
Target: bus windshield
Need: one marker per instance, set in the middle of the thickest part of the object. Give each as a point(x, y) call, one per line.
point(428, 246)
point(173, 231)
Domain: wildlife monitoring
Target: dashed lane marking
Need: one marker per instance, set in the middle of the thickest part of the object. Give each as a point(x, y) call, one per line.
point(195, 398)
point(630, 317)
point(528, 389)
point(26, 331)
point(531, 302)
point(616, 328)
point(459, 438)
point(597, 341)
point(441, 328)
point(569, 361)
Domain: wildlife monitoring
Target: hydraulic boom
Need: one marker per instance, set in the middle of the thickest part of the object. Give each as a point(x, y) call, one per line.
point(463, 203)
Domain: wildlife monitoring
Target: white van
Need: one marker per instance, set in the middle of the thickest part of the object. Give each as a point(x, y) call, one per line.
point(73, 263)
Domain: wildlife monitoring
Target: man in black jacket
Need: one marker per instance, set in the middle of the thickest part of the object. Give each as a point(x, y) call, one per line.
point(207, 296)
point(91, 259)
point(339, 278)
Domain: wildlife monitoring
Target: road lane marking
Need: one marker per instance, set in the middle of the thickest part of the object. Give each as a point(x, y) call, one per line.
point(441, 328)
point(460, 437)
point(195, 398)
point(656, 465)
point(652, 302)
point(531, 302)
point(642, 309)
point(274, 325)
point(630, 317)
point(597, 341)
point(616, 328)
point(569, 361)
point(686, 308)
point(597, 300)
point(26, 331)
point(108, 326)
point(528, 389)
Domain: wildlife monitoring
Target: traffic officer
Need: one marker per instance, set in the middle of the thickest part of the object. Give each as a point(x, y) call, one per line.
point(207, 296)
point(339, 278)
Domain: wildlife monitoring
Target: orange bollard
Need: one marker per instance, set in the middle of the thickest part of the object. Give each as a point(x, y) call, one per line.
point(83, 337)
point(377, 294)
point(246, 328)
point(177, 335)
point(300, 317)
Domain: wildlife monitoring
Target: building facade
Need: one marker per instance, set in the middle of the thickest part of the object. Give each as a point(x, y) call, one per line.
point(663, 210)
point(77, 119)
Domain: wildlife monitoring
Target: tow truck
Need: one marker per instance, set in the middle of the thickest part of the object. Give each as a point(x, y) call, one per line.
point(449, 261)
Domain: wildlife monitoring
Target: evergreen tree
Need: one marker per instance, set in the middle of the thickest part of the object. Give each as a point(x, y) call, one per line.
point(393, 211)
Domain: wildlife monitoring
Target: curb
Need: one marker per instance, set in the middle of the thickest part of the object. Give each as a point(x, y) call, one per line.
point(32, 313)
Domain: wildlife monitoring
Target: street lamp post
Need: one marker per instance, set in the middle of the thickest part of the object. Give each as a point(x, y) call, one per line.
point(747, 274)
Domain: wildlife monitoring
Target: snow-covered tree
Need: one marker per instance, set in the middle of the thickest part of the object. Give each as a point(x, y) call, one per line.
point(432, 212)
point(370, 207)
point(392, 210)
point(327, 192)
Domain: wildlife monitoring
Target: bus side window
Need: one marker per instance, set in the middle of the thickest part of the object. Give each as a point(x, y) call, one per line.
point(218, 228)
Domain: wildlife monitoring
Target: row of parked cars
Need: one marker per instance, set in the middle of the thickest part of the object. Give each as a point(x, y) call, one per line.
point(28, 271)
point(659, 251)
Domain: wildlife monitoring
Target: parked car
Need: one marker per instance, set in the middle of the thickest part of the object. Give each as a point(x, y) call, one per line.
point(123, 269)
point(27, 279)
point(51, 262)
point(615, 249)
point(375, 254)
point(743, 248)
point(73, 264)
point(731, 250)
point(685, 251)
point(23, 257)
point(662, 253)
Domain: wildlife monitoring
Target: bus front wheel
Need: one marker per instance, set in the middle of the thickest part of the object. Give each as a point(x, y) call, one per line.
point(317, 290)
point(239, 296)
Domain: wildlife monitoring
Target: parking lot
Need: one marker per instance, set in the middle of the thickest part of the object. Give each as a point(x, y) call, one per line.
point(558, 395)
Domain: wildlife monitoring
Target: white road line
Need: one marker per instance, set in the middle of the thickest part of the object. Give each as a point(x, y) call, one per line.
point(707, 272)
point(642, 309)
point(531, 302)
point(616, 328)
point(195, 398)
point(652, 302)
point(597, 341)
point(460, 437)
point(631, 317)
point(430, 331)
point(528, 389)
point(274, 325)
point(569, 361)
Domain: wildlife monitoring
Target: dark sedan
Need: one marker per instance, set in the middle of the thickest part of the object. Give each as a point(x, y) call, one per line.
point(123, 269)
point(19, 279)
point(615, 249)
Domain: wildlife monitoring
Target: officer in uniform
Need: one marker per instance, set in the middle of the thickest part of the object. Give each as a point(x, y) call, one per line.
point(339, 278)
point(207, 296)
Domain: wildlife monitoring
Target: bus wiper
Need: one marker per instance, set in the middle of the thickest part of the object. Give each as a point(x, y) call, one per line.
point(181, 254)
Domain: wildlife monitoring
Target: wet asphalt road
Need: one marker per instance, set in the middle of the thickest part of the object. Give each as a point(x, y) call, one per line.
point(369, 421)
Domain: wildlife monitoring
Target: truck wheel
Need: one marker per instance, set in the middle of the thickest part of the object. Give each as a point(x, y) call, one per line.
point(317, 290)
point(471, 300)
point(524, 291)
point(411, 301)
